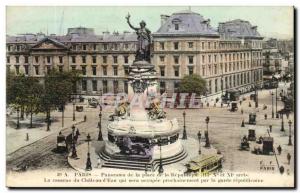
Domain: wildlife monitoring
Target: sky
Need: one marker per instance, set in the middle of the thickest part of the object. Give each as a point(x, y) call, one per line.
point(273, 21)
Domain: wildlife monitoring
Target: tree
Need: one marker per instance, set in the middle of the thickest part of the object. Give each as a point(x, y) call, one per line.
point(193, 84)
point(58, 87)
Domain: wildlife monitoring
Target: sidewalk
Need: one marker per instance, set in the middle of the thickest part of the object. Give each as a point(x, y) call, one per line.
point(16, 138)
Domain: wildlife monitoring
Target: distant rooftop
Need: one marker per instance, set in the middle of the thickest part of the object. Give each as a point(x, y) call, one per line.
point(238, 29)
point(79, 34)
point(186, 23)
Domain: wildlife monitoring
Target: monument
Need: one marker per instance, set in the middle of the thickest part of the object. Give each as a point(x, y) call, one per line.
point(139, 135)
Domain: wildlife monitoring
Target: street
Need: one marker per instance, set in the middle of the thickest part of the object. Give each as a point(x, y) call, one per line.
point(225, 133)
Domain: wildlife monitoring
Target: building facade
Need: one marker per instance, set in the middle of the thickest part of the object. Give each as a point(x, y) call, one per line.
point(229, 57)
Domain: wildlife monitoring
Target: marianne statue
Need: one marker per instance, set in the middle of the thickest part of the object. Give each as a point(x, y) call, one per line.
point(144, 40)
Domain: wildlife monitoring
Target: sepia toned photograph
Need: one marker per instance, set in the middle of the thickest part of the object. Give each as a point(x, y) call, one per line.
point(150, 96)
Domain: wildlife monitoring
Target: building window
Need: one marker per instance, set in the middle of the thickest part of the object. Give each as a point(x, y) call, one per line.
point(83, 68)
point(17, 59)
point(203, 45)
point(36, 59)
point(203, 59)
point(26, 69)
point(60, 68)
point(176, 71)
point(105, 46)
point(94, 59)
point(176, 59)
point(176, 86)
point(8, 59)
point(191, 44)
point(83, 85)
point(162, 45)
point(104, 85)
point(126, 87)
point(73, 68)
point(191, 59)
point(162, 70)
point(36, 68)
point(73, 59)
point(116, 86)
point(176, 45)
point(209, 45)
point(162, 86)
point(104, 70)
point(115, 59)
point(48, 59)
point(126, 70)
point(216, 85)
point(60, 59)
point(115, 46)
point(126, 59)
point(83, 59)
point(162, 58)
point(94, 46)
point(215, 45)
point(203, 70)
point(191, 70)
point(104, 59)
point(209, 58)
point(126, 46)
point(94, 69)
point(26, 59)
point(84, 47)
point(215, 69)
point(94, 85)
point(215, 58)
point(115, 71)
point(17, 69)
point(176, 26)
point(9, 48)
point(48, 69)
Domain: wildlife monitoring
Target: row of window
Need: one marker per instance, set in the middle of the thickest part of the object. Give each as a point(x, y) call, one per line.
point(104, 46)
point(104, 86)
point(214, 58)
point(49, 59)
point(214, 45)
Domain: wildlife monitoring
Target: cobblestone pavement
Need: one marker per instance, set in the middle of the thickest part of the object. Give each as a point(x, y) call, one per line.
point(224, 128)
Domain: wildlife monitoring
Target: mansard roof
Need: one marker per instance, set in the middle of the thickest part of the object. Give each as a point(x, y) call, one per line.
point(189, 23)
point(238, 29)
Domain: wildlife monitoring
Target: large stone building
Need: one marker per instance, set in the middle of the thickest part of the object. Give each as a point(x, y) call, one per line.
point(227, 57)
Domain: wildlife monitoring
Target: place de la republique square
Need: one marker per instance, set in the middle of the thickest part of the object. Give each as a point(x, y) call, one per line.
point(150, 96)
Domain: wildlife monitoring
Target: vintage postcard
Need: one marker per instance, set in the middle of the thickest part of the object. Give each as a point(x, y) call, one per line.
point(156, 96)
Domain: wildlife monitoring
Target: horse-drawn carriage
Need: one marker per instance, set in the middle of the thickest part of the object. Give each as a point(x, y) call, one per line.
point(61, 145)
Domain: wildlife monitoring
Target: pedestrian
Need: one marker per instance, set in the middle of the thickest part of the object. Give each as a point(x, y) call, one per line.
point(266, 116)
point(84, 118)
point(99, 163)
point(221, 104)
point(77, 132)
point(279, 149)
point(242, 111)
point(270, 128)
point(289, 158)
point(249, 104)
point(241, 103)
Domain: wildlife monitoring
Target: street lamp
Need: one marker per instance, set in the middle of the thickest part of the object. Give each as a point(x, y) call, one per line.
point(207, 144)
point(160, 169)
point(184, 135)
point(199, 138)
point(282, 124)
point(88, 166)
point(290, 133)
point(100, 138)
point(272, 104)
point(18, 118)
point(74, 109)
point(277, 116)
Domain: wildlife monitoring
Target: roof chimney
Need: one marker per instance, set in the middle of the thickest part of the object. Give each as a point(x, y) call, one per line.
point(163, 18)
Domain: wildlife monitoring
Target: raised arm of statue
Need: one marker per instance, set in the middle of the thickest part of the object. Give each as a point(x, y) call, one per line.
point(130, 25)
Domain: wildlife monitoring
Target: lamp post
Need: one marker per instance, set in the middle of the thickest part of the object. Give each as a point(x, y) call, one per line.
point(74, 109)
point(160, 169)
point(74, 152)
point(207, 144)
point(290, 133)
point(272, 104)
point(277, 116)
point(199, 138)
point(184, 135)
point(100, 138)
point(88, 166)
point(18, 118)
point(282, 124)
